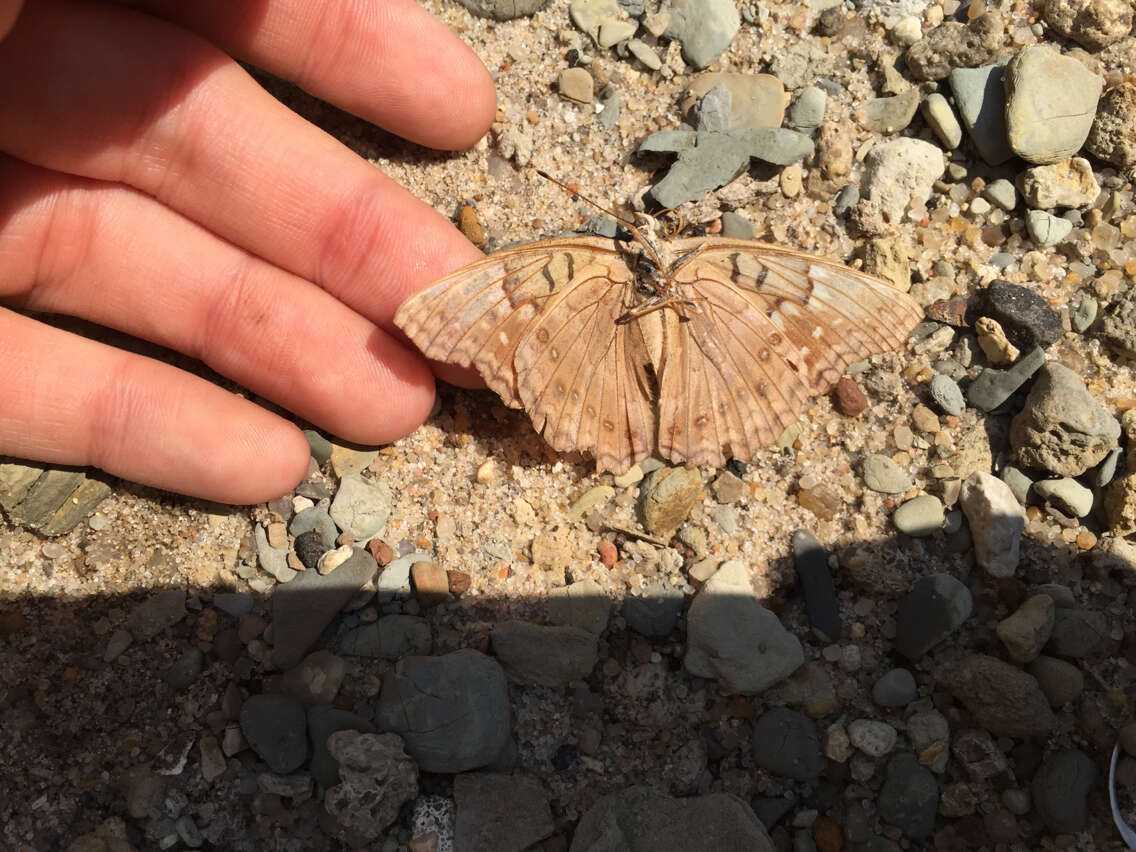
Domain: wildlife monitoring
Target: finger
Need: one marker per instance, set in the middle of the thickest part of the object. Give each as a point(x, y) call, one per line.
point(109, 93)
point(69, 400)
point(9, 11)
point(118, 258)
point(388, 61)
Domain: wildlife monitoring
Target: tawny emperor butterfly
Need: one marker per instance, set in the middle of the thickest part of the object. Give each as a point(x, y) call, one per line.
point(695, 349)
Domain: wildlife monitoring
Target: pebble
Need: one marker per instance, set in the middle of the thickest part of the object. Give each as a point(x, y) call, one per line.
point(811, 562)
point(186, 669)
point(1085, 315)
point(737, 227)
point(712, 111)
point(1027, 629)
point(668, 496)
point(994, 387)
point(334, 558)
point(786, 743)
point(953, 45)
point(850, 399)
point(642, 818)
point(981, 101)
point(756, 100)
point(1106, 470)
point(945, 393)
point(655, 613)
point(504, 10)
point(275, 727)
point(1002, 194)
point(582, 604)
point(431, 585)
point(303, 608)
point(930, 735)
point(883, 475)
point(941, 118)
point(935, 608)
point(1050, 104)
point(316, 519)
point(157, 614)
point(1113, 134)
point(846, 199)
point(900, 171)
point(1026, 317)
point(323, 721)
point(895, 688)
point(1062, 428)
point(361, 507)
point(1002, 698)
point(890, 115)
point(906, 31)
point(806, 113)
point(993, 342)
point(588, 15)
point(233, 604)
point(920, 516)
point(1094, 24)
point(1060, 790)
point(394, 581)
point(272, 560)
point(1078, 633)
point(545, 655)
point(643, 52)
point(909, 797)
point(315, 680)
point(810, 688)
point(872, 737)
point(576, 84)
point(704, 28)
point(1066, 183)
point(392, 637)
point(613, 32)
point(1117, 326)
point(376, 778)
point(498, 810)
point(1060, 681)
point(731, 637)
point(348, 461)
point(451, 710)
point(996, 520)
point(1067, 494)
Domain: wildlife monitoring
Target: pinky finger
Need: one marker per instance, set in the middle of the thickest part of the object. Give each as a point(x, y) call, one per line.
point(69, 400)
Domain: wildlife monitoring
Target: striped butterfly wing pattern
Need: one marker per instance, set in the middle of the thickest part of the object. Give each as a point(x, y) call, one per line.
point(565, 329)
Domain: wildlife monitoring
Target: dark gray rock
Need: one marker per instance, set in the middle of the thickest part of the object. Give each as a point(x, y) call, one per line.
point(811, 560)
point(309, 548)
point(994, 387)
point(156, 614)
point(896, 688)
point(452, 710)
point(392, 637)
point(786, 743)
point(1060, 790)
point(909, 797)
point(323, 721)
point(276, 729)
point(654, 613)
point(315, 518)
point(376, 779)
point(935, 608)
point(186, 670)
point(500, 811)
point(1078, 633)
point(639, 819)
point(544, 655)
point(1025, 316)
point(302, 608)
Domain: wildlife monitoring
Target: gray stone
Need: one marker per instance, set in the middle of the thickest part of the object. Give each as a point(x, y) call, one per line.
point(921, 516)
point(900, 170)
point(589, 15)
point(1085, 315)
point(786, 743)
point(640, 819)
point(303, 608)
point(504, 10)
point(890, 115)
point(1027, 629)
point(895, 688)
point(548, 656)
point(981, 102)
point(935, 608)
point(642, 51)
point(1061, 788)
point(1050, 104)
point(499, 811)
point(846, 199)
point(654, 613)
point(394, 578)
point(731, 637)
point(807, 111)
point(942, 120)
point(1002, 194)
point(994, 387)
point(582, 604)
point(1067, 494)
point(945, 393)
point(361, 507)
point(737, 227)
point(186, 670)
point(1078, 633)
point(909, 797)
point(1117, 328)
point(704, 28)
point(157, 614)
point(392, 637)
point(275, 727)
point(882, 474)
point(996, 521)
point(712, 112)
point(1002, 698)
point(810, 688)
point(319, 445)
point(15, 482)
point(756, 100)
point(1062, 428)
point(953, 45)
point(376, 779)
point(43, 496)
point(272, 560)
point(1060, 681)
point(233, 604)
point(323, 721)
point(811, 561)
point(452, 710)
point(979, 755)
point(1024, 315)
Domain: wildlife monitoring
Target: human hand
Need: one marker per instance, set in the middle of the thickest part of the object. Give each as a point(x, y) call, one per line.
point(148, 184)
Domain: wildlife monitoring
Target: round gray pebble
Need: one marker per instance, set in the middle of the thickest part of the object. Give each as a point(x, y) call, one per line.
point(946, 394)
point(896, 688)
point(919, 516)
point(885, 476)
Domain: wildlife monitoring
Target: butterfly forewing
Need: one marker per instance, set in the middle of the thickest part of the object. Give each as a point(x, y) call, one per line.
point(717, 366)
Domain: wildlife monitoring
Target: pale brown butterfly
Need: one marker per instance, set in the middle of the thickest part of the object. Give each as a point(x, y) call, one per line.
point(695, 350)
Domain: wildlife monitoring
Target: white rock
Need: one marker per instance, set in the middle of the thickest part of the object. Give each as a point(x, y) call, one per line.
point(996, 522)
point(873, 738)
point(901, 171)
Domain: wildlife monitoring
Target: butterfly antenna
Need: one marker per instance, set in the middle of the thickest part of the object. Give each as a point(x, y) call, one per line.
point(585, 198)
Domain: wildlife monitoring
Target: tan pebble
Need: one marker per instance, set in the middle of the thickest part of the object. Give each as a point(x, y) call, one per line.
point(827, 834)
point(608, 552)
point(487, 471)
point(589, 500)
point(925, 419)
point(431, 584)
point(334, 558)
point(458, 582)
point(790, 180)
point(344, 537)
point(930, 754)
point(1086, 540)
point(278, 535)
point(633, 475)
point(993, 342)
point(576, 84)
point(469, 225)
point(294, 562)
point(532, 116)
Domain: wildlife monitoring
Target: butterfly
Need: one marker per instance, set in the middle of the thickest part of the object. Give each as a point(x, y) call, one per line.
point(696, 349)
